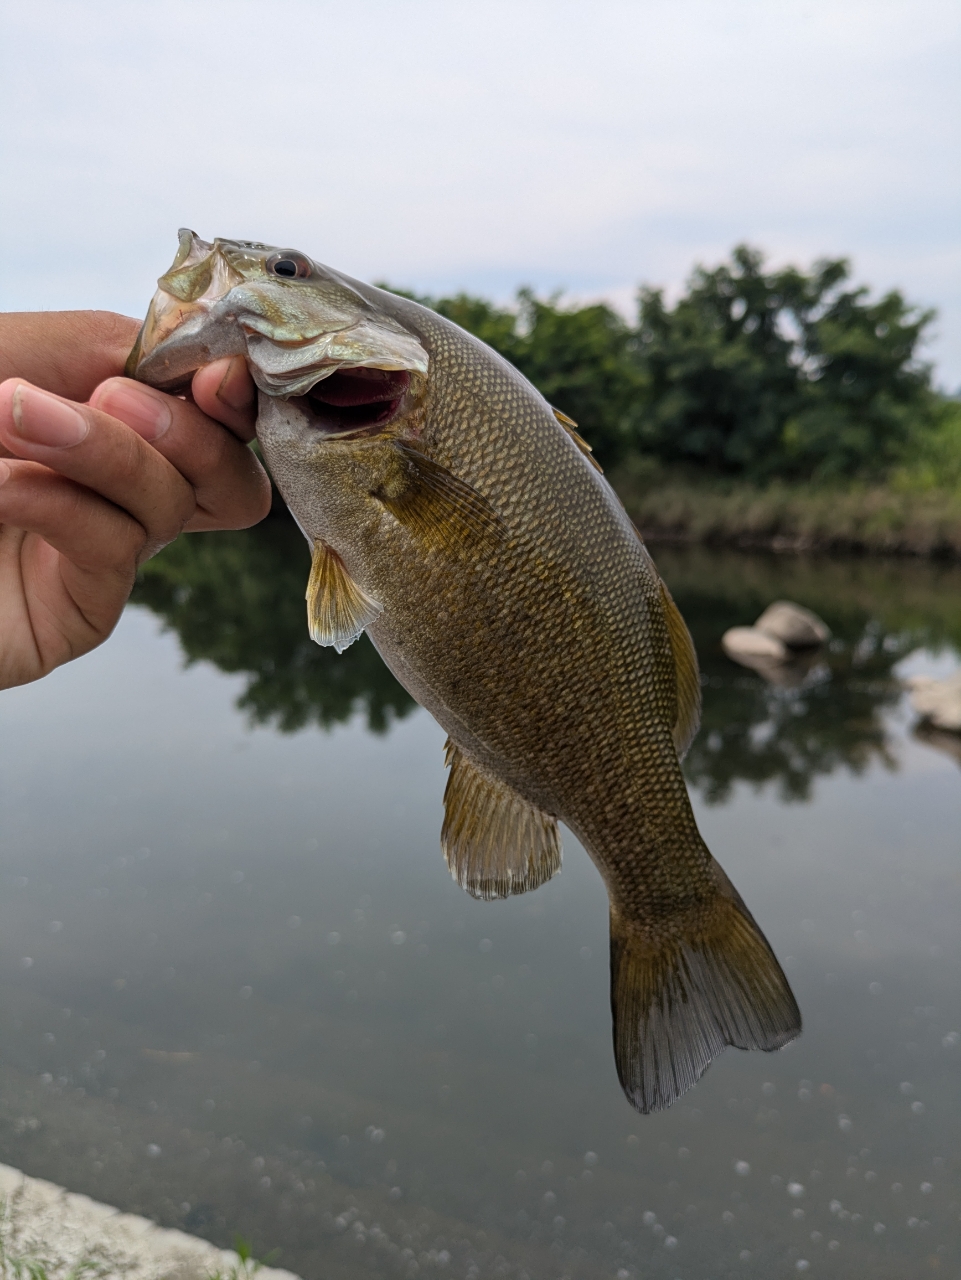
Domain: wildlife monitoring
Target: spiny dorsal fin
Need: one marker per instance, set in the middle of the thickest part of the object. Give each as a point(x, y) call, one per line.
point(338, 610)
point(441, 510)
point(680, 996)
point(688, 678)
point(495, 843)
point(570, 426)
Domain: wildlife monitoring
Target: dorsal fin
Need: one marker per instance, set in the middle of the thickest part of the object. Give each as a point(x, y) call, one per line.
point(495, 843)
point(570, 426)
point(338, 610)
point(687, 676)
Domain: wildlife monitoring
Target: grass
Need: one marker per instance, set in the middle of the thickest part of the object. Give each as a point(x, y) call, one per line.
point(910, 515)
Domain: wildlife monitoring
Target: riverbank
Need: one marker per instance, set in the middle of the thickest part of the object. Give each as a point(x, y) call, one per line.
point(54, 1234)
point(673, 506)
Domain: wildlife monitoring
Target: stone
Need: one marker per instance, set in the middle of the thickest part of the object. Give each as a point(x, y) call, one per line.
point(742, 643)
point(937, 701)
point(793, 625)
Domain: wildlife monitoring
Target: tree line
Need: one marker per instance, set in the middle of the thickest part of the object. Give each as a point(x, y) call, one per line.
point(750, 373)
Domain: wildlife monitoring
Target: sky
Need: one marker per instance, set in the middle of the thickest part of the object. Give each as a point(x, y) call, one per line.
point(580, 146)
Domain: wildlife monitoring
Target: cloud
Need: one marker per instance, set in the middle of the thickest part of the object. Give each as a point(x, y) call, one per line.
point(580, 145)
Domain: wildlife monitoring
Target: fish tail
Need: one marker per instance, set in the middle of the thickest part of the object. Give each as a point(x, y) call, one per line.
point(680, 994)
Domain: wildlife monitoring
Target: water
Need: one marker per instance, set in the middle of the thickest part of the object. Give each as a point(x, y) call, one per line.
point(241, 994)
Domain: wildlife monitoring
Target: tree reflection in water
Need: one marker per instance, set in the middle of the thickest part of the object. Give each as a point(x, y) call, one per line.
point(237, 600)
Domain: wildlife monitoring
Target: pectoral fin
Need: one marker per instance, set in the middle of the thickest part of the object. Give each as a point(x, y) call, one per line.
point(495, 843)
point(440, 510)
point(338, 610)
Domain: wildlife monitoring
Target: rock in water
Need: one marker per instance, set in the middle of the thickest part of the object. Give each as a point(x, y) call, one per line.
point(938, 701)
point(793, 625)
point(742, 643)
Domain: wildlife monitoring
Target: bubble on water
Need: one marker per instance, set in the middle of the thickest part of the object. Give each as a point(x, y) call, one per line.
point(797, 1213)
point(153, 1150)
point(917, 1108)
point(549, 1197)
point(343, 1140)
point(377, 1136)
point(727, 1216)
point(795, 1189)
point(879, 1228)
point(742, 1168)
point(683, 1153)
point(26, 963)
point(802, 1264)
point(951, 1039)
point(265, 1184)
point(559, 1223)
point(835, 1206)
point(649, 1218)
point(245, 993)
point(394, 1193)
point(845, 1124)
point(485, 944)
point(632, 1139)
point(875, 988)
point(870, 1176)
point(398, 937)
point(623, 1275)
point(906, 1086)
point(294, 922)
point(926, 1188)
point(333, 939)
point(816, 1237)
point(834, 1245)
point(590, 1157)
point(670, 1242)
point(55, 926)
point(547, 1167)
point(745, 1255)
point(768, 1089)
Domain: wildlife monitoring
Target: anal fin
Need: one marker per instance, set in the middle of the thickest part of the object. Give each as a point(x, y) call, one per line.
point(338, 610)
point(495, 842)
point(681, 993)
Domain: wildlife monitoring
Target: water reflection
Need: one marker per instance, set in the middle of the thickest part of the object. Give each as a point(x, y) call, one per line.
point(237, 600)
point(254, 1001)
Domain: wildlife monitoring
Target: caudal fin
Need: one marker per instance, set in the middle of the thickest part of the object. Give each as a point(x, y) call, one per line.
point(679, 1003)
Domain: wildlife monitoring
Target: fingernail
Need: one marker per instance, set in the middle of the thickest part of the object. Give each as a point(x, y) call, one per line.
point(43, 419)
point(235, 389)
point(146, 412)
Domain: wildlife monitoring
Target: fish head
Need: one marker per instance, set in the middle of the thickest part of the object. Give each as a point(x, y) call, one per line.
point(312, 337)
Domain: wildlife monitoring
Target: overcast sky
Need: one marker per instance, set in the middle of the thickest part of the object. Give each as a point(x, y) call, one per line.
point(439, 145)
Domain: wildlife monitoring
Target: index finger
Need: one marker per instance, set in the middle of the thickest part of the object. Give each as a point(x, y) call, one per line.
point(66, 352)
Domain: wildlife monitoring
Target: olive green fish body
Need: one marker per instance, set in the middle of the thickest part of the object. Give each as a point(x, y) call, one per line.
point(461, 523)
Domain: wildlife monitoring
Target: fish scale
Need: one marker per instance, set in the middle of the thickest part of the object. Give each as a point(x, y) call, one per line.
point(502, 582)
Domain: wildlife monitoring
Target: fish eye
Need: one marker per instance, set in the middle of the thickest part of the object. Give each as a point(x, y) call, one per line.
point(289, 266)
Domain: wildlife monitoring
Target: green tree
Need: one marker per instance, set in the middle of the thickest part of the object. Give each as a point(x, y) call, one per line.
point(782, 373)
point(751, 373)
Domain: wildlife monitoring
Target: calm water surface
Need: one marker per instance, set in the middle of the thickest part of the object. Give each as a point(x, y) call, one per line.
point(239, 992)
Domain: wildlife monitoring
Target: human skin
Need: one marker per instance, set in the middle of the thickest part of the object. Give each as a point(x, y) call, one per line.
point(98, 473)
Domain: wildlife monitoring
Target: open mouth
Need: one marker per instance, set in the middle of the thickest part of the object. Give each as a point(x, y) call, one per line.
point(355, 399)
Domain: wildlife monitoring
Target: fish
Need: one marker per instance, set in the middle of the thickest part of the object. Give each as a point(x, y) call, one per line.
point(459, 519)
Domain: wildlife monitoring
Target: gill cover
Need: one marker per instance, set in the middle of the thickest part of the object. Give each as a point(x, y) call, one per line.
point(296, 321)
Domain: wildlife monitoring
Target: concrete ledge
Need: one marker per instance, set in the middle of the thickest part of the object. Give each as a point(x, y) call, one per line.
point(43, 1221)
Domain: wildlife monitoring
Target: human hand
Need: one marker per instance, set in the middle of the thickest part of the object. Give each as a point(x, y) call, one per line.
point(88, 491)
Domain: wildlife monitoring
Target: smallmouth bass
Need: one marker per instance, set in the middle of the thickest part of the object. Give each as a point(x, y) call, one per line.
point(459, 519)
